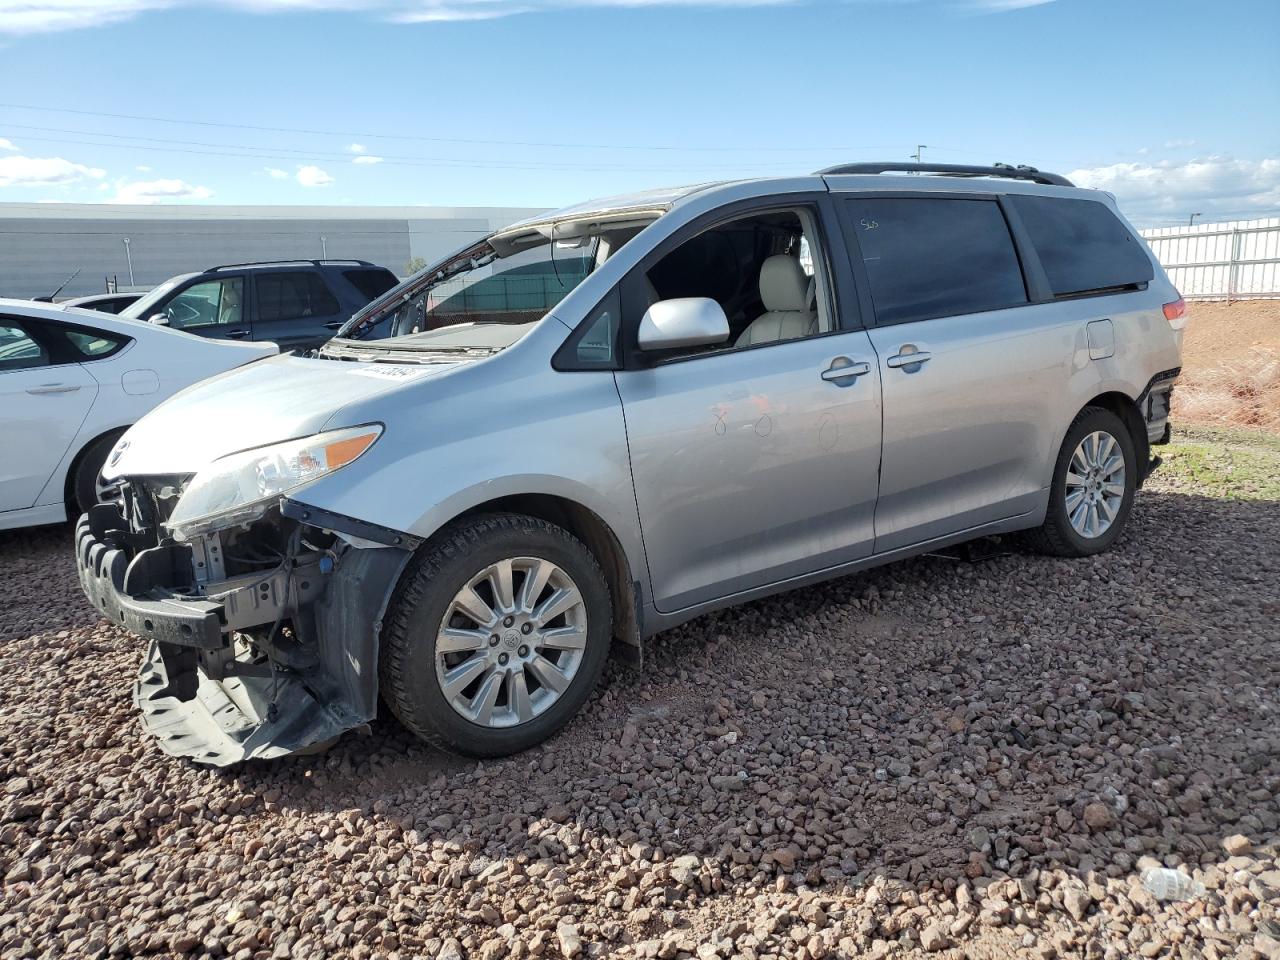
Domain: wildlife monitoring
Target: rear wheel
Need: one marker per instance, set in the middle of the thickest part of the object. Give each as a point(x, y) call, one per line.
point(1094, 481)
point(497, 636)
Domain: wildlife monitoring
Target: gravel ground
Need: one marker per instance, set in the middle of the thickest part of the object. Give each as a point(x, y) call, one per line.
point(937, 758)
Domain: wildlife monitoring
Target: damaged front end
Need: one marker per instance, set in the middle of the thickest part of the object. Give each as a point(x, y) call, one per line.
point(263, 634)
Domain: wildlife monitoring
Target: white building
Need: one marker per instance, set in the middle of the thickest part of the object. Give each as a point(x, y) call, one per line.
point(42, 244)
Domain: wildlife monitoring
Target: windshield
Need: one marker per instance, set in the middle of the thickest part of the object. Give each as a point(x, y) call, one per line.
point(480, 287)
point(141, 309)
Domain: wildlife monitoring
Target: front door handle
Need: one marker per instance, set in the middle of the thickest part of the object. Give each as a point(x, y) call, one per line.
point(55, 388)
point(237, 334)
point(844, 371)
point(910, 359)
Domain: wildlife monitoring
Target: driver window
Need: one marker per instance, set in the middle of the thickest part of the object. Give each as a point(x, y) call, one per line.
point(212, 303)
point(765, 270)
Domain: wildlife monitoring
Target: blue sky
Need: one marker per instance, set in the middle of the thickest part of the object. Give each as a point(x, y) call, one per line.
point(1171, 105)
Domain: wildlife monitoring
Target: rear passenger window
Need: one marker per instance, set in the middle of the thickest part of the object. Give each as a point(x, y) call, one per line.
point(929, 257)
point(1082, 245)
point(371, 283)
point(293, 296)
point(17, 350)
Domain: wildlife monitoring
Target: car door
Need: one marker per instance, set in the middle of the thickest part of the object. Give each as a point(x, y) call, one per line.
point(213, 307)
point(972, 374)
point(756, 464)
point(43, 401)
point(295, 308)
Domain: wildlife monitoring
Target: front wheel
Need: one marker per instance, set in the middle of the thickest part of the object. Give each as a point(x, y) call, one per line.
point(87, 486)
point(1094, 481)
point(497, 636)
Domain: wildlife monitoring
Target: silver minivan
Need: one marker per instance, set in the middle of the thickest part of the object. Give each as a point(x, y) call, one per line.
point(595, 424)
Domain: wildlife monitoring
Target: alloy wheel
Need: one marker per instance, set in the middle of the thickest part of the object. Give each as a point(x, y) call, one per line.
point(1095, 484)
point(511, 641)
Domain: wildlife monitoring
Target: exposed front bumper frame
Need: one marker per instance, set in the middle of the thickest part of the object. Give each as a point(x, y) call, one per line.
point(241, 710)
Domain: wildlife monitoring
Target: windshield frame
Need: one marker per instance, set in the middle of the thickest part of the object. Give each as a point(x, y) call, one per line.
point(572, 223)
point(468, 257)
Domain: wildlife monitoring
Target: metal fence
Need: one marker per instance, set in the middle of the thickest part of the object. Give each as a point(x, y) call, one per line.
point(1237, 260)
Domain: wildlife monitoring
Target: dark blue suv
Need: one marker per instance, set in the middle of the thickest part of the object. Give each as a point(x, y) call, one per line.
point(297, 304)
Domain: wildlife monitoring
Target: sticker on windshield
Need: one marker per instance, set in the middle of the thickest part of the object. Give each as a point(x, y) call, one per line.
point(387, 371)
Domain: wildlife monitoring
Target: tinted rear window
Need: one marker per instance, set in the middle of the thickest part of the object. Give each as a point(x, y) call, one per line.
point(371, 283)
point(1082, 245)
point(929, 257)
point(293, 296)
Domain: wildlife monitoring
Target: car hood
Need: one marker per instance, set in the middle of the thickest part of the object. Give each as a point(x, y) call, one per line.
point(265, 402)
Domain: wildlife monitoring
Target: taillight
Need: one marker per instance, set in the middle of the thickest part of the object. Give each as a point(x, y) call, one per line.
point(1176, 313)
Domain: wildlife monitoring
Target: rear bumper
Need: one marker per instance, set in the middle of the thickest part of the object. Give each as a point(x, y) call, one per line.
point(1155, 403)
point(255, 666)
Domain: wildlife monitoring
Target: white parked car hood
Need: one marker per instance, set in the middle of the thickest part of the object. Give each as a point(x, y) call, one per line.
point(259, 404)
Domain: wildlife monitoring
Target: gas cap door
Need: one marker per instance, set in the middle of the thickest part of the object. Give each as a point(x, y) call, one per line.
point(1102, 339)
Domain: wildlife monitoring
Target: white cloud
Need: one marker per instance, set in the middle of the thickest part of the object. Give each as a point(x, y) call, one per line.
point(48, 16)
point(43, 171)
point(367, 159)
point(275, 173)
point(7, 144)
point(157, 191)
point(1215, 186)
point(357, 148)
point(1000, 6)
point(143, 169)
point(312, 176)
point(1178, 144)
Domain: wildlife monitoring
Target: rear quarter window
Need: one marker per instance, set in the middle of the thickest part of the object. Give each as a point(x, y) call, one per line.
point(1082, 245)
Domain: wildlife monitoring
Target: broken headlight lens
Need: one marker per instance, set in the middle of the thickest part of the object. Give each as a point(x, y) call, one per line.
point(238, 486)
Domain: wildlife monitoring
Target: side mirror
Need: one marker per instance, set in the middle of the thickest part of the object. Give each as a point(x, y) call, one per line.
point(159, 319)
point(684, 322)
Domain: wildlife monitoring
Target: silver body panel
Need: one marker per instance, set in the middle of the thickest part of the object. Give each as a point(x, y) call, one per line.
point(723, 477)
point(750, 468)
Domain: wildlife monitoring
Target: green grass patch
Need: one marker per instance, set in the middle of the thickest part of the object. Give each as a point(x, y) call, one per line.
point(1227, 463)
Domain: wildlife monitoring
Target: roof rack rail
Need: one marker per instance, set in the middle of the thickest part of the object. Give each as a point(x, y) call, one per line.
point(281, 263)
point(1006, 170)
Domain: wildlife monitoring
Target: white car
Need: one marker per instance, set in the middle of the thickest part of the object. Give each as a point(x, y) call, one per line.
point(72, 381)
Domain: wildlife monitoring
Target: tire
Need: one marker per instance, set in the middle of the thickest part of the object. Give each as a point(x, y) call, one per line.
point(415, 669)
point(84, 480)
point(1059, 536)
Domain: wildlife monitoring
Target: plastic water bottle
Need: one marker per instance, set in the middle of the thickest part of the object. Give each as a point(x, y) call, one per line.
point(1165, 885)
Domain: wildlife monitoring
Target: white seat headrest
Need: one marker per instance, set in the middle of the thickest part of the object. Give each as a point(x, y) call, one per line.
point(783, 285)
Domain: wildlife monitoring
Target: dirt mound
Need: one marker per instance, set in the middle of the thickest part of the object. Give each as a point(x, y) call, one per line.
point(1231, 365)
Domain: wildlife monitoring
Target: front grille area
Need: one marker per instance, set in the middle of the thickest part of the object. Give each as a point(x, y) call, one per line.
point(145, 503)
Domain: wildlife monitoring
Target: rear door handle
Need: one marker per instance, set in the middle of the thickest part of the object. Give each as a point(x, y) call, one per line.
point(54, 388)
point(844, 371)
point(909, 359)
point(237, 334)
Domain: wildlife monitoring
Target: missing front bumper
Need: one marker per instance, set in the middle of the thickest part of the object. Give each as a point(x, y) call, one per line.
point(252, 666)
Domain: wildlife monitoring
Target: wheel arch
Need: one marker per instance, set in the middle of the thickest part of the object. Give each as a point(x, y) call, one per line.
point(69, 478)
point(599, 538)
point(1126, 408)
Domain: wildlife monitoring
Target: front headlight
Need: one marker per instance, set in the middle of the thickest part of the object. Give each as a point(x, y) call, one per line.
point(238, 486)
